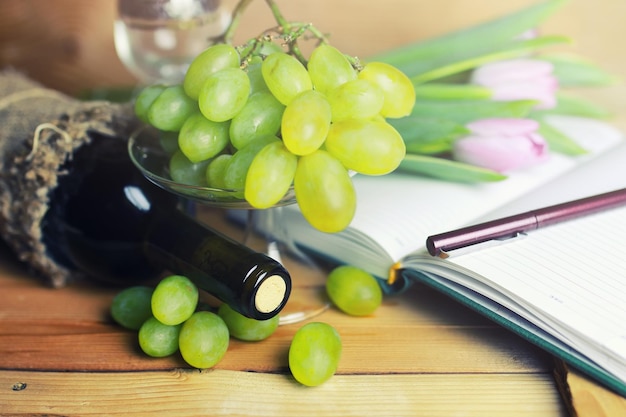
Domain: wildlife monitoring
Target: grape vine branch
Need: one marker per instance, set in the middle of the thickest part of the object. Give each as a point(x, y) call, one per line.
point(287, 33)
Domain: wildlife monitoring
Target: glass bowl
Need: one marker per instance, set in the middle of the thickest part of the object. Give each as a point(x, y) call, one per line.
point(146, 152)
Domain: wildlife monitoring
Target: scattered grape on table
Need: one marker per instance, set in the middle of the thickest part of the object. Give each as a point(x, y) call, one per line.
point(353, 290)
point(157, 339)
point(245, 328)
point(314, 353)
point(203, 339)
point(174, 300)
point(131, 307)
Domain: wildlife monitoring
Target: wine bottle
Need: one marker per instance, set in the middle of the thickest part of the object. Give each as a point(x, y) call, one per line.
point(106, 220)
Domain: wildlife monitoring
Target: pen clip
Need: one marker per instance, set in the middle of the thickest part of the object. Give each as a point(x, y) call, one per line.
point(445, 254)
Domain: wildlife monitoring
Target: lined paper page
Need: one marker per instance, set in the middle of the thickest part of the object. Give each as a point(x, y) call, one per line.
point(573, 273)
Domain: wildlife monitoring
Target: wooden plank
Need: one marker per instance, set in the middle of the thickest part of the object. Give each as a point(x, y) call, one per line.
point(421, 331)
point(589, 399)
point(232, 393)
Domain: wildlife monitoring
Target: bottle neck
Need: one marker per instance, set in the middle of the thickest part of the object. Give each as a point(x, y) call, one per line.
point(250, 282)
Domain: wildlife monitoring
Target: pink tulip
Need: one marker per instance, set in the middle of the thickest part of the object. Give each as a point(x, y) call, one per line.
point(501, 144)
point(519, 79)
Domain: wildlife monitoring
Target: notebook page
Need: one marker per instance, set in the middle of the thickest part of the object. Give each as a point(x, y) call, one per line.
point(573, 273)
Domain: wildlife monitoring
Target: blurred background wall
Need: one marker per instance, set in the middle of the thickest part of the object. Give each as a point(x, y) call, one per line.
point(68, 44)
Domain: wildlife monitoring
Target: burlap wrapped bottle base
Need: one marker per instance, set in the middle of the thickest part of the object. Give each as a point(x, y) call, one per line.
point(39, 130)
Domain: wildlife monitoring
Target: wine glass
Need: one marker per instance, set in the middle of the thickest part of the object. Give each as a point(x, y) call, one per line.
point(263, 229)
point(157, 39)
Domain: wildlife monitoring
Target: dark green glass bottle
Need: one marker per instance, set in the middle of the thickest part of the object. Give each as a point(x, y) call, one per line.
point(108, 221)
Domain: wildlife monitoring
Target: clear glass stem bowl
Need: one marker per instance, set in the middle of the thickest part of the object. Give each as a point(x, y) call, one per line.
point(262, 230)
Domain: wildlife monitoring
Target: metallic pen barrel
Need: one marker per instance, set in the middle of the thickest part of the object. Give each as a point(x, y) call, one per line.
point(513, 225)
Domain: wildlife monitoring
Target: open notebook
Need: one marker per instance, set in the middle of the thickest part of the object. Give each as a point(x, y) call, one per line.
point(562, 287)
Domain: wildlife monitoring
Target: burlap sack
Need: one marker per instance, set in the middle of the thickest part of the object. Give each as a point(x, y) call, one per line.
point(39, 130)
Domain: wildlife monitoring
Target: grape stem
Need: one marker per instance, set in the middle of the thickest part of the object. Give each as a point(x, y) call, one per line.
point(238, 11)
point(288, 32)
point(278, 16)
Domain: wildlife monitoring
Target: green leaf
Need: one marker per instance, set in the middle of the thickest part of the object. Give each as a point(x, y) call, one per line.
point(448, 170)
point(465, 111)
point(439, 91)
point(425, 135)
point(576, 106)
point(510, 51)
point(574, 71)
point(424, 56)
point(558, 141)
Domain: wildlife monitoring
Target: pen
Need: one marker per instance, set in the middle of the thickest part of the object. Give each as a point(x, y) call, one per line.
point(507, 227)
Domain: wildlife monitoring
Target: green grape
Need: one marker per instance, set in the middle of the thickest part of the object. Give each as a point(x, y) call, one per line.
point(169, 142)
point(174, 300)
point(257, 83)
point(255, 73)
point(270, 175)
point(353, 290)
point(285, 76)
point(216, 169)
point(306, 122)
point(329, 68)
point(366, 146)
point(237, 169)
point(157, 339)
point(260, 116)
point(397, 88)
point(145, 99)
point(209, 61)
point(203, 339)
point(314, 353)
point(130, 308)
point(184, 171)
point(245, 328)
point(356, 99)
point(200, 139)
point(170, 109)
point(224, 94)
point(266, 48)
point(324, 192)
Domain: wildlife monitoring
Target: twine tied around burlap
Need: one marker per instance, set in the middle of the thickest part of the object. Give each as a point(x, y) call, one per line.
point(40, 129)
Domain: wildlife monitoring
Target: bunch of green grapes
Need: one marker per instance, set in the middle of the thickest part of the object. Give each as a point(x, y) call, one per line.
point(267, 123)
point(168, 320)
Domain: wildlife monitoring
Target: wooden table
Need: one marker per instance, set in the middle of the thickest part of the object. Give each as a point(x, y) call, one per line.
point(419, 354)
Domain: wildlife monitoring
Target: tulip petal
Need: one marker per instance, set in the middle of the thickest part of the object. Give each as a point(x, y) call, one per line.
point(517, 79)
point(505, 72)
point(502, 144)
point(503, 126)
